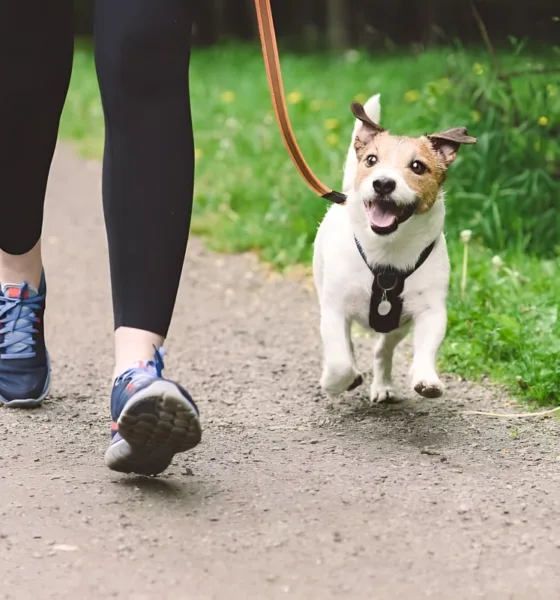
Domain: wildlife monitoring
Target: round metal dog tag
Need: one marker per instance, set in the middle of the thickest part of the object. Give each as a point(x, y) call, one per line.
point(384, 308)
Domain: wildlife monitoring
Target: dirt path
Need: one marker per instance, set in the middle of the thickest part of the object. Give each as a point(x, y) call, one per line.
point(287, 497)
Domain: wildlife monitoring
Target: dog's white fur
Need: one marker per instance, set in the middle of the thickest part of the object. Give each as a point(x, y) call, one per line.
point(344, 282)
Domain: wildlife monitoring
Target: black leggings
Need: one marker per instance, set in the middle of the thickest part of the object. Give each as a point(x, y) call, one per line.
point(142, 58)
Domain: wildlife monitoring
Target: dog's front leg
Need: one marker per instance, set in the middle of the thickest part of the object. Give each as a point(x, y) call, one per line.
point(429, 332)
point(339, 371)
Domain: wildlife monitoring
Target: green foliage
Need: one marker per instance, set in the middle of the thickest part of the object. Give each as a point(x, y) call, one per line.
point(505, 189)
point(508, 325)
point(508, 190)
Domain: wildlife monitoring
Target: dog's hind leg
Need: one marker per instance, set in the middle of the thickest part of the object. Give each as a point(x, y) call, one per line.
point(382, 386)
point(339, 371)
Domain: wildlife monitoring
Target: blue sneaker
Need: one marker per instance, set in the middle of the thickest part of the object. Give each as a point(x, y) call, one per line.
point(25, 374)
point(153, 419)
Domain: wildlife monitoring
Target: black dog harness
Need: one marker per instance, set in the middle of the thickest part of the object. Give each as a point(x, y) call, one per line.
point(386, 303)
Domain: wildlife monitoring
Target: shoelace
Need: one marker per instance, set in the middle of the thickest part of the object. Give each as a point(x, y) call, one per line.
point(142, 372)
point(18, 323)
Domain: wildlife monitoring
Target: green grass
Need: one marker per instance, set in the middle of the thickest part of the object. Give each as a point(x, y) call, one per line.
point(506, 189)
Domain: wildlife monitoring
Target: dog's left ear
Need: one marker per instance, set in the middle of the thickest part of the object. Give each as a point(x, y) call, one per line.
point(360, 113)
point(369, 128)
point(447, 143)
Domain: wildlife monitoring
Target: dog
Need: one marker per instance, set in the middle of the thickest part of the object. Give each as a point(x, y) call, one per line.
point(381, 258)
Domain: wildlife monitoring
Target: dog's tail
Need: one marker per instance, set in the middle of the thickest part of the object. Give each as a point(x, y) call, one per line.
point(373, 111)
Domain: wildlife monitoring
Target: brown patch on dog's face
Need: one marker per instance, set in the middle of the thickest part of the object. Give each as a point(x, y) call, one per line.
point(411, 161)
point(417, 166)
point(368, 131)
point(424, 171)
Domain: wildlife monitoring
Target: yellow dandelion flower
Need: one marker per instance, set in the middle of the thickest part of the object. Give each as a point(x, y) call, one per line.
point(361, 98)
point(198, 153)
point(556, 19)
point(331, 124)
point(476, 116)
point(543, 121)
point(295, 97)
point(412, 96)
point(227, 96)
point(315, 105)
point(478, 69)
point(332, 139)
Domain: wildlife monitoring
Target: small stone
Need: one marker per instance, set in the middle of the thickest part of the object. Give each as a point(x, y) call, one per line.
point(65, 548)
point(463, 510)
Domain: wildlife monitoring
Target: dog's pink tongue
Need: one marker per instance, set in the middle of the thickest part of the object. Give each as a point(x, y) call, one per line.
point(380, 216)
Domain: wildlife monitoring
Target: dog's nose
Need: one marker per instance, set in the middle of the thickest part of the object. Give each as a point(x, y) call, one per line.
point(384, 186)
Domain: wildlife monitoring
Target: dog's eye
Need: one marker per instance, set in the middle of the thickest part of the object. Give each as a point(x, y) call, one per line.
point(371, 160)
point(418, 167)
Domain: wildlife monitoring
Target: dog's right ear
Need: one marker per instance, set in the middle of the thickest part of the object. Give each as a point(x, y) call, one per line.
point(447, 143)
point(368, 130)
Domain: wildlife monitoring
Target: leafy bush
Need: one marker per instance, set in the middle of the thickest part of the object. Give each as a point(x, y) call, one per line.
point(508, 190)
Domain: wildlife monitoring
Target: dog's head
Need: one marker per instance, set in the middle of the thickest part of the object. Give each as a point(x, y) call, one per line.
point(398, 177)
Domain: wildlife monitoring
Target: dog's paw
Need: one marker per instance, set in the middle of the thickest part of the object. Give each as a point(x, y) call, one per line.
point(356, 383)
point(337, 381)
point(429, 388)
point(381, 392)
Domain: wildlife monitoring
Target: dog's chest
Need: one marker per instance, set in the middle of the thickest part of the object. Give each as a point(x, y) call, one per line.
point(373, 309)
point(371, 313)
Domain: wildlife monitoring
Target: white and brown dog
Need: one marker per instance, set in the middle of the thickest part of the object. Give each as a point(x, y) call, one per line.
point(381, 259)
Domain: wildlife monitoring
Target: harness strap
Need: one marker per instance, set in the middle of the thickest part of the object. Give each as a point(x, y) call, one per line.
point(386, 303)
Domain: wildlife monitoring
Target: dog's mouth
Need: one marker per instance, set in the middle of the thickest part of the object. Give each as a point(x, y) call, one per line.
point(385, 215)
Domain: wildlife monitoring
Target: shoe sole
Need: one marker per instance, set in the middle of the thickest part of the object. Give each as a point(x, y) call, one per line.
point(30, 402)
point(155, 424)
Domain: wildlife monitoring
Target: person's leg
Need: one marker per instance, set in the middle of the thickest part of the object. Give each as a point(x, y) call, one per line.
point(142, 58)
point(35, 63)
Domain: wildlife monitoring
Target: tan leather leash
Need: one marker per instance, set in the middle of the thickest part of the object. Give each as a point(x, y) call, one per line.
point(274, 75)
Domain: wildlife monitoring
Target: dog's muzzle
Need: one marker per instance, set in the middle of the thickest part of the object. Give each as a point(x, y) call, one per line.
point(385, 215)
